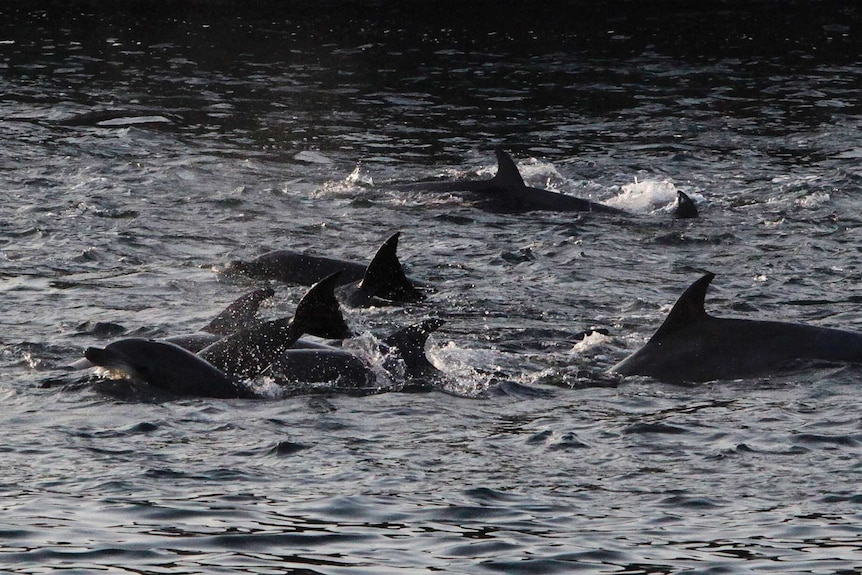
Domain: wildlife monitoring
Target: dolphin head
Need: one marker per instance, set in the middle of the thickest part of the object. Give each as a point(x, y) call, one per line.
point(165, 366)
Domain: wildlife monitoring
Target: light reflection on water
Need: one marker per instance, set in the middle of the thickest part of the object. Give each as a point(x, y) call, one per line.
point(140, 156)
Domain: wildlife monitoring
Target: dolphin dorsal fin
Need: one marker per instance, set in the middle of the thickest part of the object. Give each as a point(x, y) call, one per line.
point(385, 278)
point(688, 309)
point(318, 312)
point(409, 344)
point(240, 314)
point(685, 206)
point(508, 175)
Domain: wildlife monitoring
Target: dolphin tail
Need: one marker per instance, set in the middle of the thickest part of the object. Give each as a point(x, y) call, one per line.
point(385, 278)
point(318, 312)
point(685, 207)
point(240, 314)
point(409, 344)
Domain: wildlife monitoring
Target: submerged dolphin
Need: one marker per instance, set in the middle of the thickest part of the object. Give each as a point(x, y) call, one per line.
point(507, 192)
point(692, 345)
point(218, 370)
point(685, 207)
point(403, 357)
point(382, 281)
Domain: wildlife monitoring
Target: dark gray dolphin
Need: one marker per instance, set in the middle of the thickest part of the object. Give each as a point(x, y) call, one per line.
point(692, 345)
point(249, 351)
point(217, 370)
point(685, 207)
point(507, 192)
point(295, 268)
point(403, 358)
point(168, 367)
point(239, 314)
point(382, 281)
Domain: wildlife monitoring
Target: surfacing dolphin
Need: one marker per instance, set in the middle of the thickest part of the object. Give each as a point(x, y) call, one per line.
point(382, 281)
point(507, 192)
point(219, 369)
point(692, 346)
point(685, 207)
point(241, 313)
point(402, 357)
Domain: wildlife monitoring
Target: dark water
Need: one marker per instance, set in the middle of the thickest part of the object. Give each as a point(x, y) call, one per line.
point(143, 149)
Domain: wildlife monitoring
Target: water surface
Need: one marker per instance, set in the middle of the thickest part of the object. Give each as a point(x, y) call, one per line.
point(145, 148)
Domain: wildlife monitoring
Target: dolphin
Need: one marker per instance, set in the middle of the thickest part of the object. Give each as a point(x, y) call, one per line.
point(382, 281)
point(249, 351)
point(403, 357)
point(685, 207)
point(693, 346)
point(507, 192)
point(168, 367)
point(218, 369)
point(239, 314)
point(295, 268)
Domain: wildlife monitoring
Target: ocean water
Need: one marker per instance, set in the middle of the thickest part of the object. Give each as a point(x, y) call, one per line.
point(146, 145)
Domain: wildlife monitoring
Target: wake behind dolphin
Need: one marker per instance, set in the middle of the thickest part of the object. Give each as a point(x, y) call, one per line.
point(692, 346)
point(507, 192)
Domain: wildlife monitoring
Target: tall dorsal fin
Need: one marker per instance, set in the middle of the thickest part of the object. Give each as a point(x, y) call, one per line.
point(385, 278)
point(689, 308)
point(507, 172)
point(240, 314)
point(318, 312)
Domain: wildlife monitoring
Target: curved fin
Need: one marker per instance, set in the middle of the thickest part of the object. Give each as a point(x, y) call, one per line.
point(249, 351)
point(318, 313)
point(240, 314)
point(688, 309)
point(508, 175)
point(685, 207)
point(385, 278)
point(409, 344)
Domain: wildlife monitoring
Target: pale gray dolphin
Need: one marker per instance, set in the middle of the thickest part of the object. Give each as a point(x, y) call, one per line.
point(507, 192)
point(692, 345)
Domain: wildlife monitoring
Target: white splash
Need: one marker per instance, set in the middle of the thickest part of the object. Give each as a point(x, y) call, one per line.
point(590, 342)
point(648, 196)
